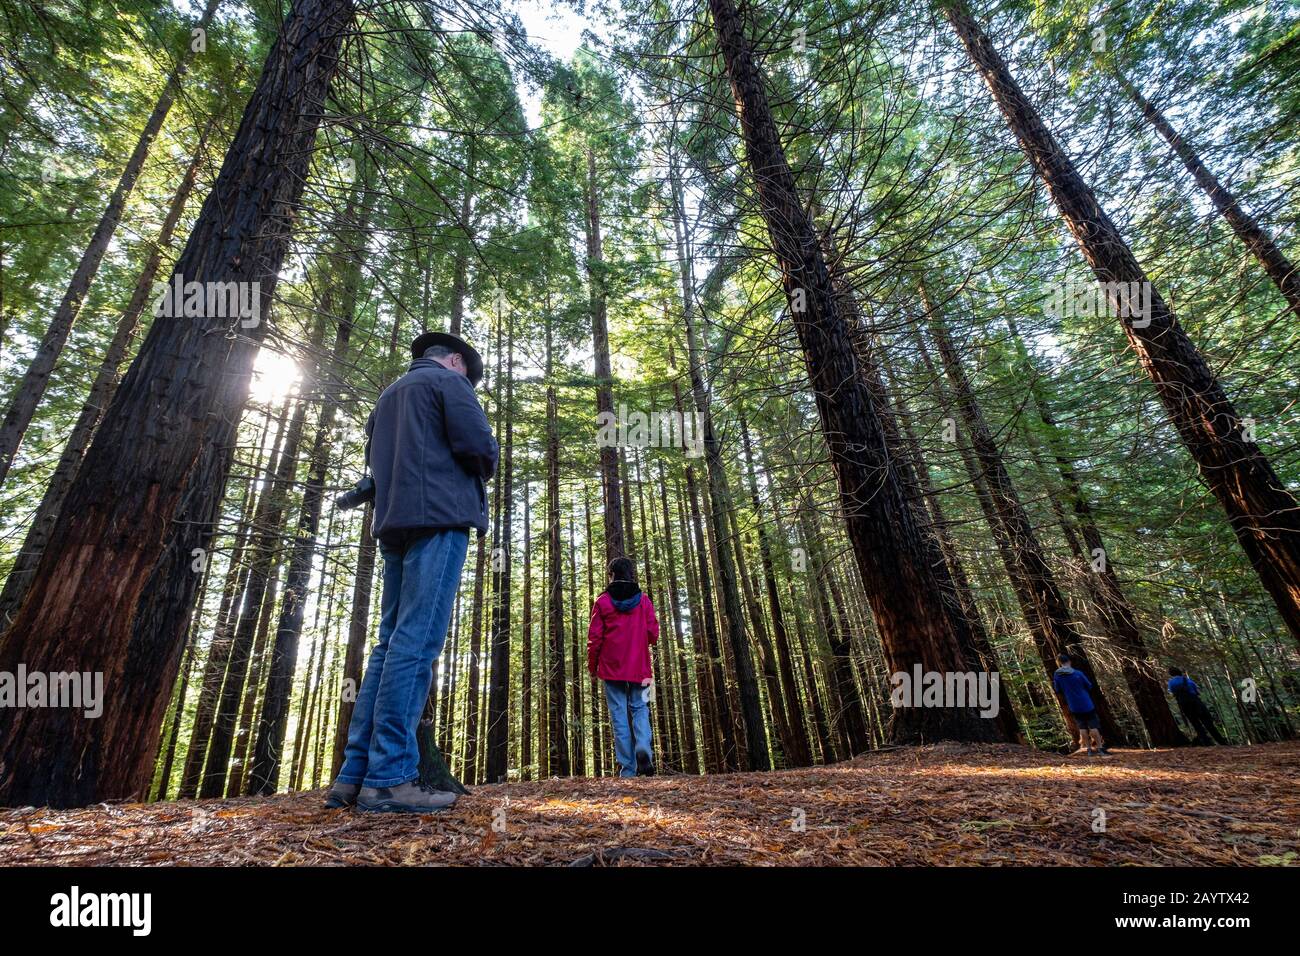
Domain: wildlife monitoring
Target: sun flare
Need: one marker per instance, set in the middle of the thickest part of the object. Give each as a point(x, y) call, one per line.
point(274, 376)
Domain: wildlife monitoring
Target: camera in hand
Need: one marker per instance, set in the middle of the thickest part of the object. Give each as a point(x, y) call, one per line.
point(362, 492)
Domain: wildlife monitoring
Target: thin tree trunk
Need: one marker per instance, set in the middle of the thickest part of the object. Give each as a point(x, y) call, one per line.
point(614, 545)
point(447, 705)
point(820, 721)
point(689, 749)
point(251, 706)
point(719, 505)
point(460, 271)
point(169, 758)
point(729, 757)
point(578, 743)
point(1261, 245)
point(473, 686)
point(842, 689)
point(526, 672)
point(358, 628)
point(498, 723)
point(101, 391)
point(594, 683)
point(556, 703)
point(222, 642)
point(797, 752)
point(30, 390)
point(261, 572)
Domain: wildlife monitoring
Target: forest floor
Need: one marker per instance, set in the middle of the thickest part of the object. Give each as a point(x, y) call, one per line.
point(941, 805)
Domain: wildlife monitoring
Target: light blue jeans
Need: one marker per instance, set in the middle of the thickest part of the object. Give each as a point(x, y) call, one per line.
point(420, 584)
point(630, 716)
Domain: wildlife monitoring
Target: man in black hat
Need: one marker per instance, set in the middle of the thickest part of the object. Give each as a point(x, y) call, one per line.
point(430, 450)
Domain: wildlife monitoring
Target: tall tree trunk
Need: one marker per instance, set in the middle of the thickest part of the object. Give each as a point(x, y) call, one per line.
point(526, 671)
point(446, 704)
point(543, 690)
point(252, 702)
point(473, 687)
point(847, 705)
point(1261, 245)
point(614, 545)
point(972, 641)
point(729, 755)
point(1262, 512)
point(717, 716)
point(262, 570)
point(821, 722)
point(32, 387)
point(594, 694)
point(173, 734)
point(886, 536)
point(981, 646)
point(556, 700)
point(306, 714)
point(460, 271)
point(578, 723)
point(498, 722)
point(766, 655)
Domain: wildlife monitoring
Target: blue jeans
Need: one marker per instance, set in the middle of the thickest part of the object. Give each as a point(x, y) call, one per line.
point(630, 716)
point(420, 584)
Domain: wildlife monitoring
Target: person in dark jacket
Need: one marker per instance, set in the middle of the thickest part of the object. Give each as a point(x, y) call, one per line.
point(1073, 685)
point(430, 450)
point(623, 626)
point(1193, 708)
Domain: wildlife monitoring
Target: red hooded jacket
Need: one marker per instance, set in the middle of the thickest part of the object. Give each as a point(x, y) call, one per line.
point(618, 642)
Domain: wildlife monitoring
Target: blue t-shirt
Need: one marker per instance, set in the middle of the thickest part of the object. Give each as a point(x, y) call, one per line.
point(1183, 685)
point(1074, 686)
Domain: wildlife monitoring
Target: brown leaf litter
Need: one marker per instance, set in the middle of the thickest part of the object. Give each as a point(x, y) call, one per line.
point(942, 805)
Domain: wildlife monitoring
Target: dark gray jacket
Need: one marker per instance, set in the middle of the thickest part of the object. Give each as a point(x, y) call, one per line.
point(430, 449)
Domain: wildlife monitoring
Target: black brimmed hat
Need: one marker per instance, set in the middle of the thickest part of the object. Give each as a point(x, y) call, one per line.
point(473, 361)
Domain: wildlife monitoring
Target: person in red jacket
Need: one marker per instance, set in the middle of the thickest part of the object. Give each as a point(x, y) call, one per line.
point(623, 626)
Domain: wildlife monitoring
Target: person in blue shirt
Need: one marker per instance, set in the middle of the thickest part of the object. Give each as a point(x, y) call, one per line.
point(1193, 708)
point(1073, 686)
